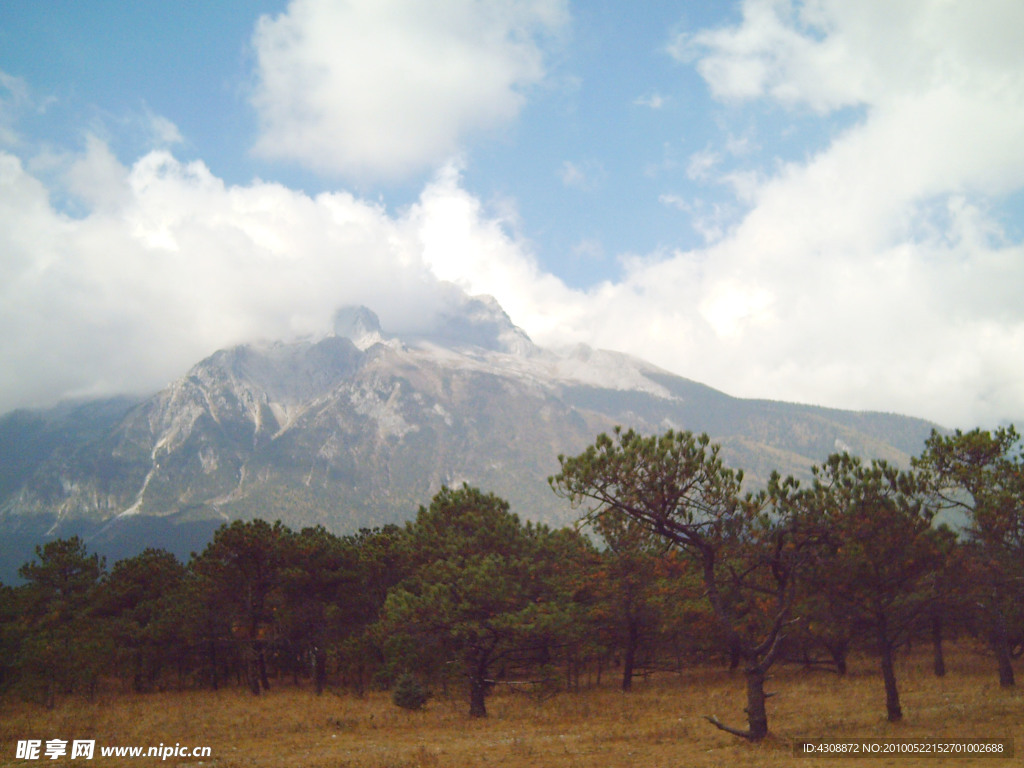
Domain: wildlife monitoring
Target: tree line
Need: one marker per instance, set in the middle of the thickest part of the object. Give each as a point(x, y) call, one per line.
point(673, 565)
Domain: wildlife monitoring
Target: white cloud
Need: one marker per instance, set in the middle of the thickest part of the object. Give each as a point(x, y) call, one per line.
point(701, 163)
point(669, 162)
point(571, 175)
point(179, 264)
point(97, 178)
point(586, 176)
point(15, 98)
point(588, 249)
point(162, 131)
point(739, 145)
point(382, 88)
point(828, 54)
point(651, 100)
point(709, 220)
point(674, 201)
point(463, 243)
point(869, 275)
point(872, 274)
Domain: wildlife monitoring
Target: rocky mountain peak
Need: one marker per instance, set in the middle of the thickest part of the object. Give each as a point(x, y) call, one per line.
point(478, 321)
point(462, 323)
point(358, 428)
point(359, 324)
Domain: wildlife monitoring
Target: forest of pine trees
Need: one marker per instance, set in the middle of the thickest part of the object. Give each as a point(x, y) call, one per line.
point(672, 566)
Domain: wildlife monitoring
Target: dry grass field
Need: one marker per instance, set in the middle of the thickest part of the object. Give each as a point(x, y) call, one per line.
point(659, 724)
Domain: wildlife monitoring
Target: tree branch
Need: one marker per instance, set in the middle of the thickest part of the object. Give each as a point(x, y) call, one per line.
point(734, 731)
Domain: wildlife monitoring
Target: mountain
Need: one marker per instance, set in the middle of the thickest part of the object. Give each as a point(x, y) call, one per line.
point(358, 428)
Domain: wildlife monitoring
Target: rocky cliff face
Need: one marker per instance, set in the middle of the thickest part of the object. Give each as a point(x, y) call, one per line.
point(359, 428)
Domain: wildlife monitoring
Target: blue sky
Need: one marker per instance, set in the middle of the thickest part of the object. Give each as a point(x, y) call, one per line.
point(816, 201)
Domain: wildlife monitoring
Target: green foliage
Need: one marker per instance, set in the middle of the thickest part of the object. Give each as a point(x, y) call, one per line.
point(685, 568)
point(875, 560)
point(481, 593)
point(10, 635)
point(875, 551)
point(63, 645)
point(675, 484)
point(628, 577)
point(676, 487)
point(982, 473)
point(240, 572)
point(141, 601)
point(409, 694)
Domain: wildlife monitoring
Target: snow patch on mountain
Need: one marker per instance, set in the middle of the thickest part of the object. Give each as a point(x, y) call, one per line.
point(581, 366)
point(606, 369)
point(474, 333)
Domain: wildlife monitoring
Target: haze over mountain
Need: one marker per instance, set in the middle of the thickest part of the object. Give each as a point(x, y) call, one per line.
point(357, 428)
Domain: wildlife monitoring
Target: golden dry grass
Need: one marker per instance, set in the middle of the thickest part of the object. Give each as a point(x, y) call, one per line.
point(659, 724)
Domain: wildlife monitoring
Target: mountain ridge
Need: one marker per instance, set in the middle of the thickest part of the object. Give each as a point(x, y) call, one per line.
point(358, 428)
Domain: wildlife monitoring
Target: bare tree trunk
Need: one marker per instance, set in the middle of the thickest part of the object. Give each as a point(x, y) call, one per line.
point(892, 695)
point(49, 692)
point(939, 664)
point(319, 670)
point(476, 668)
point(632, 640)
point(261, 666)
point(734, 657)
point(252, 674)
point(137, 684)
point(212, 648)
point(477, 695)
point(757, 713)
point(1000, 644)
point(839, 650)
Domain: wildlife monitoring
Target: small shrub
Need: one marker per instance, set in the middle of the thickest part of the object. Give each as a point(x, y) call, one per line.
point(408, 693)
